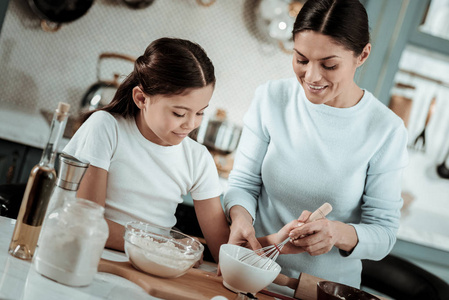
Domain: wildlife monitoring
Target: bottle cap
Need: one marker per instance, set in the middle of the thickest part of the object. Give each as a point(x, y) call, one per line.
point(62, 111)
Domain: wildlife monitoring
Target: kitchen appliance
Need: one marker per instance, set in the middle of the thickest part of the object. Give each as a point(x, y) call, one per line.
point(217, 133)
point(54, 13)
point(221, 137)
point(101, 93)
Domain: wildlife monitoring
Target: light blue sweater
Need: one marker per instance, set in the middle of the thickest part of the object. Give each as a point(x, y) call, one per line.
point(295, 155)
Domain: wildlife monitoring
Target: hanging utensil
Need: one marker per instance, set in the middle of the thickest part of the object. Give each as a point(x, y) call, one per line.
point(101, 93)
point(54, 13)
point(420, 141)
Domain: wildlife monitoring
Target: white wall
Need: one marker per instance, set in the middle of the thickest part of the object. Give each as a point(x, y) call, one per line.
point(39, 69)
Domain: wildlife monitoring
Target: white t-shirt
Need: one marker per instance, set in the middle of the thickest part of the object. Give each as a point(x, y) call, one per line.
point(146, 181)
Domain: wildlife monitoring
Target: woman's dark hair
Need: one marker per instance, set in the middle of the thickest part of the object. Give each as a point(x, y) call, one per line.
point(346, 21)
point(169, 66)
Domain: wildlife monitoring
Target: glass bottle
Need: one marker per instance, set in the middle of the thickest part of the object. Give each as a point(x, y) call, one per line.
point(38, 191)
point(72, 241)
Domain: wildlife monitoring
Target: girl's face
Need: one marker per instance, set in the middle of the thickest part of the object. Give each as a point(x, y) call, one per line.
point(167, 120)
point(326, 69)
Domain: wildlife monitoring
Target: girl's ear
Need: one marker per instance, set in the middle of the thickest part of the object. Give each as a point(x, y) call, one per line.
point(364, 55)
point(139, 97)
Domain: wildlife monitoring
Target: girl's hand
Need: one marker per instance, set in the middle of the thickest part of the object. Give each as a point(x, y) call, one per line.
point(284, 233)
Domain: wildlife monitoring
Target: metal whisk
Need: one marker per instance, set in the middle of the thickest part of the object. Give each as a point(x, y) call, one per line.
point(266, 256)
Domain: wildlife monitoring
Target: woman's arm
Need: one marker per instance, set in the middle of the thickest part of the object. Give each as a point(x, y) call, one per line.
point(93, 187)
point(242, 230)
point(214, 226)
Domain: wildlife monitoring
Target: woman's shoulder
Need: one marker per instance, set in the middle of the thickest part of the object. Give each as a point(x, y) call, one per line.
point(382, 114)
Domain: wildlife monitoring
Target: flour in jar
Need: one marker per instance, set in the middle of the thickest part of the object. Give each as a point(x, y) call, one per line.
point(163, 259)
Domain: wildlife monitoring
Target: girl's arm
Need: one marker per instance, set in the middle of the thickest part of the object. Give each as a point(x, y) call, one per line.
point(93, 187)
point(214, 226)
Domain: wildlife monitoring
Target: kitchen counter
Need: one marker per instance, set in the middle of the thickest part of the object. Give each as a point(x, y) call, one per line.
point(25, 127)
point(19, 280)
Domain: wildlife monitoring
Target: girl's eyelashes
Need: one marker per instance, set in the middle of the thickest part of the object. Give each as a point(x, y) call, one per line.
point(181, 116)
point(178, 115)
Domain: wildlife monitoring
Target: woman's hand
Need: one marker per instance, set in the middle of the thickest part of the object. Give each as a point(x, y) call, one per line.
point(318, 237)
point(242, 230)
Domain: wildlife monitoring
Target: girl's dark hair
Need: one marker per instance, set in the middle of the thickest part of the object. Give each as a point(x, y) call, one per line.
point(346, 21)
point(169, 66)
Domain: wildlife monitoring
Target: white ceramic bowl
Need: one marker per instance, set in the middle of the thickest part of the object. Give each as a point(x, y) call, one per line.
point(160, 251)
point(239, 276)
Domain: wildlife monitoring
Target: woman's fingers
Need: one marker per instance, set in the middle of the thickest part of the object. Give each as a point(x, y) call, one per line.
point(304, 216)
point(315, 238)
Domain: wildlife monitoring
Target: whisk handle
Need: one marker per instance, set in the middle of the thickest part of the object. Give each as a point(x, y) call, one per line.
point(321, 212)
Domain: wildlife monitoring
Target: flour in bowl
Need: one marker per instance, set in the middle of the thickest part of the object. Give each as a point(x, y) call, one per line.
point(163, 259)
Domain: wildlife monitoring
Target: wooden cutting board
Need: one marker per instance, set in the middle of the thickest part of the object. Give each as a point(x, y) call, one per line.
point(196, 284)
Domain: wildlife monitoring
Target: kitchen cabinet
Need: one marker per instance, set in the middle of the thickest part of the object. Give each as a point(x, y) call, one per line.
point(11, 160)
point(3, 8)
point(16, 161)
point(187, 223)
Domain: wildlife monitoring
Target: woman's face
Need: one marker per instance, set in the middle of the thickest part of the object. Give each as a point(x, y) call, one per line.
point(167, 120)
point(325, 69)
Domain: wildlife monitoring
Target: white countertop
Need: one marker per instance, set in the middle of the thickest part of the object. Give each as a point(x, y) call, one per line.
point(426, 220)
point(24, 127)
point(20, 281)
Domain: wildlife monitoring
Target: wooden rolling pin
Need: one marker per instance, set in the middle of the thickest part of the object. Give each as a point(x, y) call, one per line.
point(305, 286)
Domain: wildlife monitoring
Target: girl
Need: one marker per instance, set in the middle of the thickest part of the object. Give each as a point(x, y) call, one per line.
point(141, 159)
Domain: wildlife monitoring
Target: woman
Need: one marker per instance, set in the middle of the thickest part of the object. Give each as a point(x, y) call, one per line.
point(141, 159)
point(320, 138)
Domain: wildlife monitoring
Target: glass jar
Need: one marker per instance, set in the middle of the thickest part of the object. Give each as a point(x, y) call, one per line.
point(71, 243)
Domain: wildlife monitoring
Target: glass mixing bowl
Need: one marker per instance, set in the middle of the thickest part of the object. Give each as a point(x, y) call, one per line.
point(160, 251)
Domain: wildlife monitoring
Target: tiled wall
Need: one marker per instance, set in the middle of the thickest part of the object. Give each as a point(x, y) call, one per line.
point(39, 69)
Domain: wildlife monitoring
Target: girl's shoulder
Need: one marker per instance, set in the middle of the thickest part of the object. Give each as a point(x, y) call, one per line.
point(101, 116)
point(194, 147)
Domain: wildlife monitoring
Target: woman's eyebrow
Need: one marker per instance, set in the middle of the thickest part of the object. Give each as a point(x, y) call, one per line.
point(324, 58)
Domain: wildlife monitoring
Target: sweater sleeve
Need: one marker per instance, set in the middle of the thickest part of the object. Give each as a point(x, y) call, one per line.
point(245, 179)
point(95, 141)
point(381, 201)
